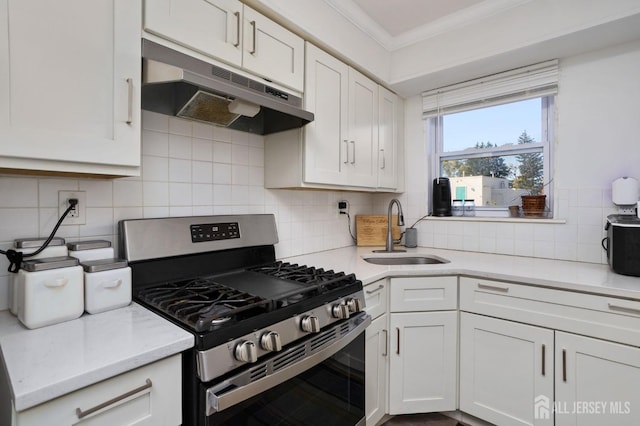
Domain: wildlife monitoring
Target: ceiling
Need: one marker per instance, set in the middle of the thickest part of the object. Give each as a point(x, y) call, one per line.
point(398, 23)
point(399, 16)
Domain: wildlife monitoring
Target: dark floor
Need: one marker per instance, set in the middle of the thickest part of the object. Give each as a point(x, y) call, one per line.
point(421, 420)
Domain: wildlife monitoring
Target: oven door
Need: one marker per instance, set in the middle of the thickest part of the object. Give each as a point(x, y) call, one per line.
point(317, 382)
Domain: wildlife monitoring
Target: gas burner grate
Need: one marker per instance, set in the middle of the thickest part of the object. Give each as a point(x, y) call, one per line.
point(308, 275)
point(203, 304)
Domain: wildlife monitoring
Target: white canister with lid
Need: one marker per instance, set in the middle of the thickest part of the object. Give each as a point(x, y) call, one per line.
point(56, 248)
point(91, 250)
point(51, 291)
point(107, 284)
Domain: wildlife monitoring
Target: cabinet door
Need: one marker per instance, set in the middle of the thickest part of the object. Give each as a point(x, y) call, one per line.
point(506, 370)
point(362, 154)
point(388, 134)
point(422, 371)
point(69, 87)
point(211, 27)
point(376, 354)
point(325, 144)
point(597, 382)
point(272, 51)
point(375, 298)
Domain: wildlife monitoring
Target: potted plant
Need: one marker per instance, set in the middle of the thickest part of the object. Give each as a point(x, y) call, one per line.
point(533, 205)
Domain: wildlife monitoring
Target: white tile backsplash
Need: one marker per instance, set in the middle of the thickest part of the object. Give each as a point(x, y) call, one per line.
point(188, 168)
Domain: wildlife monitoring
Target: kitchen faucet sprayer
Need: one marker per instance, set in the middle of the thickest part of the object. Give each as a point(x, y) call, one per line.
point(389, 243)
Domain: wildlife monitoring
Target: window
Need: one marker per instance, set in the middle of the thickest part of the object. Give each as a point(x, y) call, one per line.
point(492, 137)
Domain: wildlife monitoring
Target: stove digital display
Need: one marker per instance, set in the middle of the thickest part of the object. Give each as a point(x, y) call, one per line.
point(214, 232)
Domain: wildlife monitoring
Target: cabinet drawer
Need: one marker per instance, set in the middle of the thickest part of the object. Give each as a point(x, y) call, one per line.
point(605, 317)
point(149, 395)
point(423, 294)
point(375, 298)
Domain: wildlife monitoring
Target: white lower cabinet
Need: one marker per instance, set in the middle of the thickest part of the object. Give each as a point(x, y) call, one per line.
point(597, 382)
point(376, 355)
point(149, 395)
point(376, 351)
point(506, 369)
point(422, 370)
point(525, 359)
point(423, 347)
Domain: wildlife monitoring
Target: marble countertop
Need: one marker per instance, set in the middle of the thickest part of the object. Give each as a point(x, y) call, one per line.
point(48, 362)
point(564, 275)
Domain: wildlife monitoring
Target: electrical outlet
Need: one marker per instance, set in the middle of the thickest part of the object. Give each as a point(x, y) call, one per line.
point(76, 216)
point(343, 207)
point(627, 210)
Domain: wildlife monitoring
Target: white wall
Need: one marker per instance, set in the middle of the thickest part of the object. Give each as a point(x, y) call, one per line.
point(523, 33)
point(597, 141)
point(187, 169)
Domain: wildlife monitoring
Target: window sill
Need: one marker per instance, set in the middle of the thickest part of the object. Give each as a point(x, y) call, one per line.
point(497, 219)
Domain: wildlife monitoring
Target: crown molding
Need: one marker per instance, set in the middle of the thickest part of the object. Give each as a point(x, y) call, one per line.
point(354, 14)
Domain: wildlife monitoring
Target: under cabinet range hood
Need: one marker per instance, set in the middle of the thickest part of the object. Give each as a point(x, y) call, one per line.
point(180, 85)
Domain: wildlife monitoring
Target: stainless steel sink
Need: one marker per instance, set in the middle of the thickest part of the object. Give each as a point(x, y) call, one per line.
point(405, 260)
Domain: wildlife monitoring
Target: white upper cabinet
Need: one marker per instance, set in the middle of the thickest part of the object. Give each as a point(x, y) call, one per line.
point(340, 148)
point(325, 138)
point(213, 27)
point(69, 86)
point(362, 154)
point(231, 32)
point(271, 51)
point(389, 116)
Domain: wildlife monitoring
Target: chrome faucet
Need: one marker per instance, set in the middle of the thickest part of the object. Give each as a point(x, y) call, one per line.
point(389, 245)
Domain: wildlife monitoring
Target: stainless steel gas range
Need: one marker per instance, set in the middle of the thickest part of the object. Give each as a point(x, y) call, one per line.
point(275, 342)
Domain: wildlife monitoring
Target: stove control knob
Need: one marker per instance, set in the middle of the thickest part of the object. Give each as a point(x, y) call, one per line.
point(310, 324)
point(340, 311)
point(246, 351)
point(270, 341)
point(355, 305)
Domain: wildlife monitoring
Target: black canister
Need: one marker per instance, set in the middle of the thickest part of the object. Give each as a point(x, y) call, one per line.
point(441, 197)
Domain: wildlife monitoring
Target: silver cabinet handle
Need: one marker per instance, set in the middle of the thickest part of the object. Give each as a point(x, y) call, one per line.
point(105, 404)
point(237, 43)
point(375, 290)
point(130, 100)
point(398, 342)
point(543, 360)
point(346, 144)
point(253, 25)
point(353, 160)
point(621, 308)
point(493, 287)
point(386, 342)
point(383, 160)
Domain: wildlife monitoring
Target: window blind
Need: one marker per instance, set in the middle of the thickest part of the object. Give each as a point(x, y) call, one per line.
point(519, 84)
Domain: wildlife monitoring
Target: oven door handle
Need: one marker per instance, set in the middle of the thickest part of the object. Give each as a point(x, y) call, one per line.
point(226, 395)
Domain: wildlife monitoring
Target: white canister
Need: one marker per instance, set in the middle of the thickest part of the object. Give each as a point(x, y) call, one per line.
point(107, 284)
point(457, 208)
point(91, 250)
point(56, 248)
point(469, 208)
point(51, 291)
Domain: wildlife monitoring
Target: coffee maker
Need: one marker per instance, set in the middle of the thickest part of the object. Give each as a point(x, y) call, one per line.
point(441, 197)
